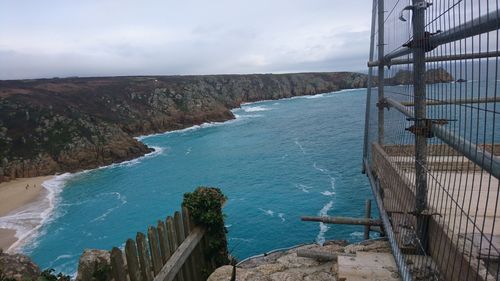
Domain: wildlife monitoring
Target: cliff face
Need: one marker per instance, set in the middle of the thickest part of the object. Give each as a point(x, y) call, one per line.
point(58, 125)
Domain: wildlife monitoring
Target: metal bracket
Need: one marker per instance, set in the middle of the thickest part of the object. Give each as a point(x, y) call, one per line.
point(426, 129)
point(424, 42)
point(420, 5)
point(383, 104)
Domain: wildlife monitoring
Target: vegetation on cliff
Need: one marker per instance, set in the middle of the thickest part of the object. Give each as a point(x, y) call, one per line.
point(57, 125)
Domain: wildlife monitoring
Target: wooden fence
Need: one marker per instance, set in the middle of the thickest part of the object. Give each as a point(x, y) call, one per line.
point(173, 250)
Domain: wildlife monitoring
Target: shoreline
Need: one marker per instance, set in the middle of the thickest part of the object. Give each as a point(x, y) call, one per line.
point(15, 197)
point(11, 239)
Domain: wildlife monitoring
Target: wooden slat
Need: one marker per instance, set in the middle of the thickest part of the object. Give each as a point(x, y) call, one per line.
point(190, 263)
point(180, 255)
point(164, 244)
point(117, 265)
point(134, 271)
point(172, 240)
point(154, 250)
point(179, 227)
point(143, 257)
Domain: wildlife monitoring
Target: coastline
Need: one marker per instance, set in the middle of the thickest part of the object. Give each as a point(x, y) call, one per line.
point(14, 196)
point(49, 186)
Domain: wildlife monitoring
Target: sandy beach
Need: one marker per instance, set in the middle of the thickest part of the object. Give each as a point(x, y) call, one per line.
point(13, 195)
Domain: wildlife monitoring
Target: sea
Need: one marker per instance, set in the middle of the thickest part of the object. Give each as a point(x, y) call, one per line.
point(276, 161)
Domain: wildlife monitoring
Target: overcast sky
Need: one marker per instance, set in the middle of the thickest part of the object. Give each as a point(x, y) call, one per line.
point(102, 37)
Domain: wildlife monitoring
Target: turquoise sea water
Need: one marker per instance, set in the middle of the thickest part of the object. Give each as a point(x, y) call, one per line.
point(276, 161)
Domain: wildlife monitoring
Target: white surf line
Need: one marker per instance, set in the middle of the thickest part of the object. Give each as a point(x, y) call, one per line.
point(281, 216)
point(303, 187)
point(268, 212)
point(300, 146)
point(39, 213)
point(323, 228)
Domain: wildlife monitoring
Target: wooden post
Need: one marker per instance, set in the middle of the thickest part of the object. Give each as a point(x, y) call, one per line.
point(154, 250)
point(117, 265)
point(317, 255)
point(164, 244)
point(173, 266)
point(132, 261)
point(143, 257)
point(173, 241)
point(368, 214)
point(179, 227)
point(190, 265)
point(343, 220)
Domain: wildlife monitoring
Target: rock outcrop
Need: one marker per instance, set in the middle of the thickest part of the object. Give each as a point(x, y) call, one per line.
point(288, 266)
point(18, 267)
point(432, 76)
point(94, 265)
point(49, 126)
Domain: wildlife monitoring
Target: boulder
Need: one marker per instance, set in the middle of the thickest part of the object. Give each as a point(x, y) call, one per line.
point(18, 267)
point(93, 264)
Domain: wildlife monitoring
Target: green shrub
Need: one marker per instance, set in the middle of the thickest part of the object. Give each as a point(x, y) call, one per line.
point(205, 209)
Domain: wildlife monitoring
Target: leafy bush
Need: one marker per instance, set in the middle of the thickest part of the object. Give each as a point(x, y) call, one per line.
point(48, 275)
point(205, 209)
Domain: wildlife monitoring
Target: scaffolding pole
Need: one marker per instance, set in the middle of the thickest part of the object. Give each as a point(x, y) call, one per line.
point(471, 56)
point(483, 24)
point(418, 23)
point(369, 86)
point(380, 71)
point(484, 159)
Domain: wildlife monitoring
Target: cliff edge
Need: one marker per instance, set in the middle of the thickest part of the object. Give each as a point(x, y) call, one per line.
point(55, 125)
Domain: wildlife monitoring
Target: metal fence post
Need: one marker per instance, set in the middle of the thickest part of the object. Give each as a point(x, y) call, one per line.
point(418, 22)
point(380, 71)
point(369, 85)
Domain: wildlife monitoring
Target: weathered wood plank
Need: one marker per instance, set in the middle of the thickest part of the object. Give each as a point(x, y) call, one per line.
point(164, 244)
point(172, 240)
point(191, 265)
point(318, 255)
point(368, 215)
point(134, 271)
point(179, 227)
point(117, 265)
point(343, 220)
point(172, 267)
point(154, 250)
point(144, 257)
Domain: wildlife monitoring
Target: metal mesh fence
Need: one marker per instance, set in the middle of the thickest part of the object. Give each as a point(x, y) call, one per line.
point(432, 144)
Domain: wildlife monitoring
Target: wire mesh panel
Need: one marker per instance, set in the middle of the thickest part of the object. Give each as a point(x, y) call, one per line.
point(432, 144)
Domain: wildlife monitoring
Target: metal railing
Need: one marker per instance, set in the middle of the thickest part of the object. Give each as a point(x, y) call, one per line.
point(432, 150)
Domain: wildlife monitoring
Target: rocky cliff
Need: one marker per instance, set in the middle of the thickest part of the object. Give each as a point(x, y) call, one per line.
point(57, 125)
point(432, 76)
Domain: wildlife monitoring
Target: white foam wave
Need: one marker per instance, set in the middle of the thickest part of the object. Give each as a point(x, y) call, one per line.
point(323, 228)
point(282, 217)
point(316, 96)
point(303, 187)
point(121, 198)
point(323, 170)
point(332, 182)
point(256, 108)
point(28, 219)
point(268, 212)
point(300, 146)
point(328, 193)
point(357, 234)
point(192, 128)
point(241, 239)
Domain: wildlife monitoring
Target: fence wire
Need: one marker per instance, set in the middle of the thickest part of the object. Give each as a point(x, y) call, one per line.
point(442, 206)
